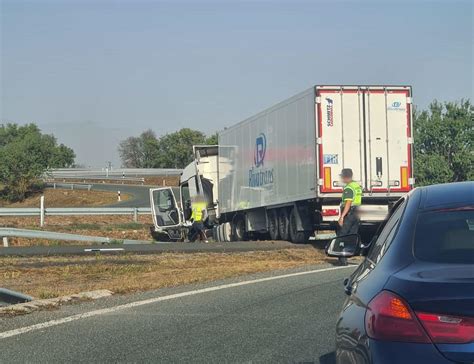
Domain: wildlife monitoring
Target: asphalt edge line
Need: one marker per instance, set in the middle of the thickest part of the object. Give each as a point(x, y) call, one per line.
point(43, 325)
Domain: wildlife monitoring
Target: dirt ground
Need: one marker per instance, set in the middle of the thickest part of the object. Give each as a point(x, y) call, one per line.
point(112, 226)
point(46, 277)
point(162, 181)
point(68, 198)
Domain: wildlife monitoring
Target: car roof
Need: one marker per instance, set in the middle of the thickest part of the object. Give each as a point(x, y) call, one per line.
point(447, 195)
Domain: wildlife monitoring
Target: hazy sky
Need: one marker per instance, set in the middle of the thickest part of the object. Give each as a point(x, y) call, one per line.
point(95, 72)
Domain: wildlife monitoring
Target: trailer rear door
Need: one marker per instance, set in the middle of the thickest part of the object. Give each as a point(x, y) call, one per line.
point(367, 129)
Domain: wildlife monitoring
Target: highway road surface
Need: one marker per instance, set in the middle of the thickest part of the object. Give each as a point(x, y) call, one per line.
point(278, 317)
point(140, 195)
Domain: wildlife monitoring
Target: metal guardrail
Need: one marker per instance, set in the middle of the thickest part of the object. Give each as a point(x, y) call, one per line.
point(66, 211)
point(50, 235)
point(70, 186)
point(119, 172)
point(6, 233)
point(50, 179)
point(12, 297)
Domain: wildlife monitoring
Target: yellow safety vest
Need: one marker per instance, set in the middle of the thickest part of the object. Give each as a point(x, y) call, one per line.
point(197, 208)
point(356, 193)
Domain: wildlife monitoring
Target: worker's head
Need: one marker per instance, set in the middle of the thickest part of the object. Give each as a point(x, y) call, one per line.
point(346, 175)
point(200, 198)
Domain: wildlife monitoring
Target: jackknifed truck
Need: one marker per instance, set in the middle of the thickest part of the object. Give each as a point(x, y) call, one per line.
point(275, 175)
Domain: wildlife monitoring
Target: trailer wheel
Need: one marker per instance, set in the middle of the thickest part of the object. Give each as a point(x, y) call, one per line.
point(273, 226)
point(283, 224)
point(214, 233)
point(227, 231)
point(219, 233)
point(298, 237)
point(238, 229)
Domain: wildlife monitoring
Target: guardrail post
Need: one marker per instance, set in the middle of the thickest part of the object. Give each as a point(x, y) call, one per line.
point(42, 211)
point(89, 187)
point(5, 242)
point(72, 186)
point(135, 214)
point(54, 185)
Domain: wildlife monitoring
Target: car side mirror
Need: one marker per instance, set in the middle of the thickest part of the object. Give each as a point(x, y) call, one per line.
point(364, 248)
point(344, 246)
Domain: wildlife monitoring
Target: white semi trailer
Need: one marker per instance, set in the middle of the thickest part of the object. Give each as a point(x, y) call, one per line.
point(276, 174)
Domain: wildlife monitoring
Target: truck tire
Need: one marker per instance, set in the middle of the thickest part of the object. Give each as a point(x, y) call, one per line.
point(283, 224)
point(238, 229)
point(273, 226)
point(214, 233)
point(219, 233)
point(297, 237)
point(227, 231)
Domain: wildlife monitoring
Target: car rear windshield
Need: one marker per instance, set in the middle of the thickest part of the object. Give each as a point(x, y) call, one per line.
point(446, 236)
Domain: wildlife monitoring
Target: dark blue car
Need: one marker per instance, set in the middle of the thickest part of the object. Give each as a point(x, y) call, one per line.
point(412, 299)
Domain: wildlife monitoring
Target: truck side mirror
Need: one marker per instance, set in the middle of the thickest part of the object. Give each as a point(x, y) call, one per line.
point(344, 246)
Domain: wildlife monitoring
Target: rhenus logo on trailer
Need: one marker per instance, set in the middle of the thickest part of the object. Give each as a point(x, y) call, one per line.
point(258, 175)
point(329, 112)
point(396, 106)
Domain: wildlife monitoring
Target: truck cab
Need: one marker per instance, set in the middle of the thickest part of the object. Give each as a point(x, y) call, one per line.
point(171, 206)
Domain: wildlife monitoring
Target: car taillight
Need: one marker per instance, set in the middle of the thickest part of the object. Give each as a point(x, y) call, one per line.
point(388, 317)
point(447, 329)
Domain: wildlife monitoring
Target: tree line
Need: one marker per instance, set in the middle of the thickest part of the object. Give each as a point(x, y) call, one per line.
point(25, 154)
point(443, 145)
point(443, 150)
point(172, 150)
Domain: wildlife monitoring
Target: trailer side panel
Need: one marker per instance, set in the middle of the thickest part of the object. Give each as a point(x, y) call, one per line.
point(270, 158)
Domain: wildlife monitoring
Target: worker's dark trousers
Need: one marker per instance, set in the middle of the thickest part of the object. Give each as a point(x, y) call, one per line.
point(197, 231)
point(349, 227)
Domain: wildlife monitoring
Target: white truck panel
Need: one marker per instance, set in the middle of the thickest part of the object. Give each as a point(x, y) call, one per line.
point(389, 132)
point(367, 129)
point(270, 158)
point(296, 149)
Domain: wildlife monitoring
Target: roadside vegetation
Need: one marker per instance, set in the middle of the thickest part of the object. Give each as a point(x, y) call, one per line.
point(25, 154)
point(47, 277)
point(444, 137)
point(172, 150)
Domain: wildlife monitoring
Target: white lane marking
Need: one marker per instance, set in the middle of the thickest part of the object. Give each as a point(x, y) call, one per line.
point(104, 250)
point(60, 321)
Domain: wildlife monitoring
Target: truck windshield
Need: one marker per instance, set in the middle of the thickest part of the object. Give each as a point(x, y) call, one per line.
point(446, 236)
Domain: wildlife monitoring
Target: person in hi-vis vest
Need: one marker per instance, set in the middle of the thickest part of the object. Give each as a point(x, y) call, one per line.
point(351, 199)
point(198, 216)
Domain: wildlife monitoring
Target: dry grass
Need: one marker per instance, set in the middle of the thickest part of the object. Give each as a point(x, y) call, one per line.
point(116, 227)
point(68, 198)
point(46, 277)
point(162, 181)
